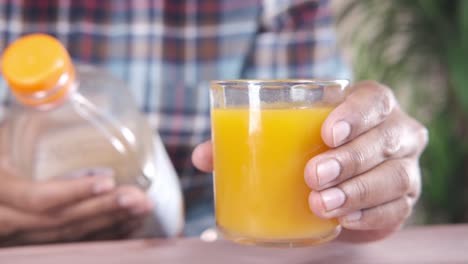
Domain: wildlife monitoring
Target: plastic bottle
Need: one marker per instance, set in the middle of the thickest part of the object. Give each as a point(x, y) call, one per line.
point(71, 120)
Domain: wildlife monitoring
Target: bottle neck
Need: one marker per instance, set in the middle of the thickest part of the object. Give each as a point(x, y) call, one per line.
point(50, 97)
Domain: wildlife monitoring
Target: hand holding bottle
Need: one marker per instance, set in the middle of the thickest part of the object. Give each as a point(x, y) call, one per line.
point(67, 210)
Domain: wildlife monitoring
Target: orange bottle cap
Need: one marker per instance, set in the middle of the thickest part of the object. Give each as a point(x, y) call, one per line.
point(34, 64)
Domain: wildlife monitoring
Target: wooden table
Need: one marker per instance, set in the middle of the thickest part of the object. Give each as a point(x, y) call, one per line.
point(436, 244)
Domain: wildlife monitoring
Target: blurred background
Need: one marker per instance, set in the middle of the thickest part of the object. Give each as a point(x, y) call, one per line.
point(420, 49)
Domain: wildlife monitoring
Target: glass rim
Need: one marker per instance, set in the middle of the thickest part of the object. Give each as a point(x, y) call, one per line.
point(276, 82)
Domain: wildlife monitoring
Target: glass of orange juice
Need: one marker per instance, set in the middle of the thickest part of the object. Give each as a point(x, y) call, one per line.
point(264, 132)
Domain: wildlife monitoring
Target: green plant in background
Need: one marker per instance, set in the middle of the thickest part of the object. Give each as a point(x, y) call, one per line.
point(420, 48)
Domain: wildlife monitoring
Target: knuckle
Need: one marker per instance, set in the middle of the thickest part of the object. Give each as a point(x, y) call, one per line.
point(388, 101)
point(390, 142)
point(423, 135)
point(380, 103)
point(406, 207)
point(388, 215)
point(373, 218)
point(401, 176)
point(415, 192)
point(366, 118)
point(361, 190)
point(378, 214)
point(356, 159)
point(384, 96)
point(416, 181)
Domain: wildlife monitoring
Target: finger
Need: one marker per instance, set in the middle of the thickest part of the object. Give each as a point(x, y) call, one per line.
point(398, 137)
point(387, 182)
point(126, 198)
point(73, 232)
point(366, 107)
point(43, 196)
point(385, 216)
point(202, 157)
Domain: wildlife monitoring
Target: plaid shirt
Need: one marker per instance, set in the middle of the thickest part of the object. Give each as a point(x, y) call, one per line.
point(169, 50)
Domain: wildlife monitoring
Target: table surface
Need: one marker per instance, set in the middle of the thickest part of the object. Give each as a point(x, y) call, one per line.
point(430, 244)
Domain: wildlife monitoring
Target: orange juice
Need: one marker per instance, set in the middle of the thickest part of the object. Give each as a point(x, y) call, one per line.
point(259, 161)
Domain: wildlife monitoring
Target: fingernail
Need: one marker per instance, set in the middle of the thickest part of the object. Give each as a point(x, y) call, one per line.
point(353, 217)
point(341, 132)
point(327, 171)
point(333, 198)
point(128, 200)
point(103, 184)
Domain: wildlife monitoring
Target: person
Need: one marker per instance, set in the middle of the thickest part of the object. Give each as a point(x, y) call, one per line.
point(167, 51)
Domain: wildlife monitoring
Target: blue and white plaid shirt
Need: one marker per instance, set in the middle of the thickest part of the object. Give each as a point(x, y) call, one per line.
point(169, 50)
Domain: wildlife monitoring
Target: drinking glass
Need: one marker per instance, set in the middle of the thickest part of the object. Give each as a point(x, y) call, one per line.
point(264, 132)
